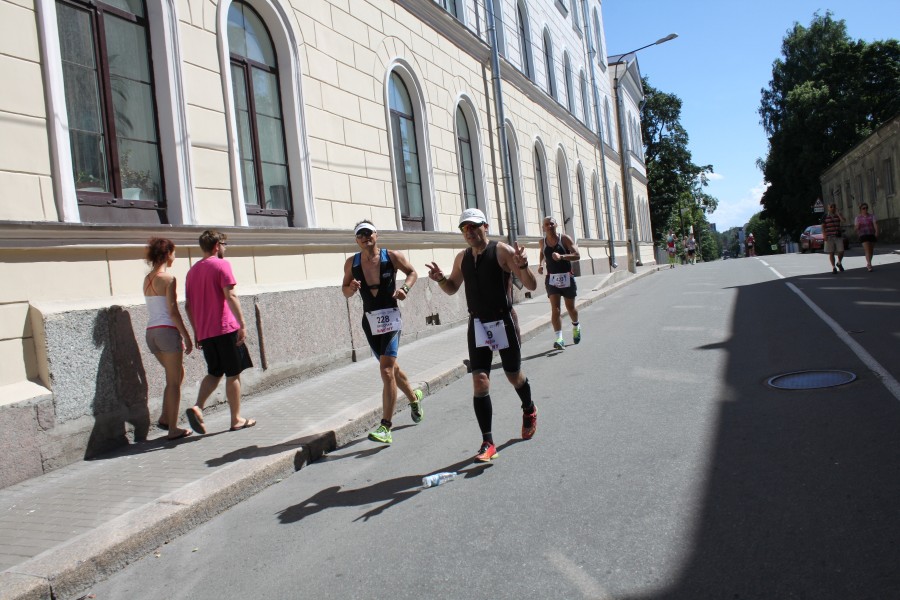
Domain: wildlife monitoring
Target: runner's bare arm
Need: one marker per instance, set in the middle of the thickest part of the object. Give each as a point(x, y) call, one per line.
point(450, 285)
point(403, 265)
point(350, 286)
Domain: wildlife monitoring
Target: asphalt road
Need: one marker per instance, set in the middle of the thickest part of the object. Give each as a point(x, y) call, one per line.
point(663, 467)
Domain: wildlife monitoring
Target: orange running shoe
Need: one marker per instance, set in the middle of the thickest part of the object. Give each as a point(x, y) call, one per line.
point(529, 424)
point(486, 453)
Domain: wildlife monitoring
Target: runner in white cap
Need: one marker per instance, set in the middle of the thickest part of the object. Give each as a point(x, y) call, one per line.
point(373, 272)
point(492, 319)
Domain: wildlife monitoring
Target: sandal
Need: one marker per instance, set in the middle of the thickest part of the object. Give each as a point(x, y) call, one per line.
point(246, 424)
point(184, 433)
point(195, 418)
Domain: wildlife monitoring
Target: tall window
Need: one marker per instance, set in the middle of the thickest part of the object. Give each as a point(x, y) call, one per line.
point(111, 109)
point(452, 7)
point(609, 136)
point(548, 61)
point(576, 18)
point(257, 102)
point(524, 40)
point(466, 163)
point(619, 216)
point(540, 184)
point(585, 105)
point(582, 202)
point(570, 92)
point(500, 30)
point(406, 155)
point(601, 232)
point(601, 57)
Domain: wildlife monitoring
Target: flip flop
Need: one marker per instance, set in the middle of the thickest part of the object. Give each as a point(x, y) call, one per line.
point(195, 418)
point(163, 426)
point(184, 433)
point(247, 423)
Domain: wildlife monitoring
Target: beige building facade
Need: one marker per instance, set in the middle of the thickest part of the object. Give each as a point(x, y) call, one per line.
point(868, 173)
point(282, 123)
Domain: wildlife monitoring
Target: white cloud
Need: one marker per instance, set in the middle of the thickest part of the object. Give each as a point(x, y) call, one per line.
point(736, 213)
point(715, 176)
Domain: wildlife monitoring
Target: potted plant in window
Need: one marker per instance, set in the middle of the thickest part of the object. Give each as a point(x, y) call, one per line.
point(136, 184)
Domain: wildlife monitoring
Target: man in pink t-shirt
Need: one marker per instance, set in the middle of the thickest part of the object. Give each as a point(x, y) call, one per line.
point(215, 314)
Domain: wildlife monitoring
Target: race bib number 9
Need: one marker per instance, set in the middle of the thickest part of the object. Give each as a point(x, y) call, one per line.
point(385, 320)
point(492, 335)
point(560, 280)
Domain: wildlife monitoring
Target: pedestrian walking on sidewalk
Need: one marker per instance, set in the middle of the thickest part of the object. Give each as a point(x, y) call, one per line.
point(487, 267)
point(867, 230)
point(559, 251)
point(373, 273)
point(219, 329)
point(834, 242)
point(166, 336)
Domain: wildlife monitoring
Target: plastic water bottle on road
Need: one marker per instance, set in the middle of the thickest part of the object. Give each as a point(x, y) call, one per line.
point(437, 479)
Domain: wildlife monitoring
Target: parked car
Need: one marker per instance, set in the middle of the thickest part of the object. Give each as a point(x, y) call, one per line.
point(812, 239)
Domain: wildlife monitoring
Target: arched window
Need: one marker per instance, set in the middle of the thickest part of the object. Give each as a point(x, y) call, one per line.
point(257, 103)
point(609, 136)
point(515, 175)
point(111, 109)
point(565, 193)
point(548, 62)
point(452, 7)
point(524, 40)
point(598, 32)
point(541, 186)
point(466, 161)
point(576, 18)
point(583, 204)
point(617, 207)
point(585, 104)
point(570, 91)
point(501, 30)
point(598, 206)
point(406, 155)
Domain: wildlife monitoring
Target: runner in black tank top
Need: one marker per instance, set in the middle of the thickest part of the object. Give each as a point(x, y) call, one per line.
point(372, 272)
point(486, 268)
point(559, 252)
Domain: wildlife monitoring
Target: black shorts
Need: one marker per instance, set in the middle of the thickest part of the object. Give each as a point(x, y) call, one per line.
point(481, 357)
point(386, 344)
point(566, 292)
point(868, 238)
point(224, 357)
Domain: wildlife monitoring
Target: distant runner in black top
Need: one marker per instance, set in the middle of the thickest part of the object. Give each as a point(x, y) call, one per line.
point(559, 252)
point(372, 272)
point(486, 268)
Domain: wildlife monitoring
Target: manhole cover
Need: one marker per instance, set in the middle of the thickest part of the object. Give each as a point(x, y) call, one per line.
point(811, 380)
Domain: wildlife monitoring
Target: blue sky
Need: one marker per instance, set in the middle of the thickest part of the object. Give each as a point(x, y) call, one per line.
point(720, 61)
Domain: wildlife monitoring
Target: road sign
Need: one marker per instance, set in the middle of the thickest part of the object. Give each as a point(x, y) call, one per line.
point(818, 206)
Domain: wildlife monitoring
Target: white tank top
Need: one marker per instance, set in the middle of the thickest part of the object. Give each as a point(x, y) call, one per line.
point(158, 312)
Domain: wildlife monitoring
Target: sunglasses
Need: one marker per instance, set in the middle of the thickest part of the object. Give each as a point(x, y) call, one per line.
point(864, 206)
point(469, 225)
point(365, 233)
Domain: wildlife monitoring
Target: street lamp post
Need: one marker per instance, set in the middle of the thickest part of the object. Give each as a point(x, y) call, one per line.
point(630, 212)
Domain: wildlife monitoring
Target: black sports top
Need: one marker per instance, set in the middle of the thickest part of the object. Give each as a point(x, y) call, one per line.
point(556, 266)
point(385, 287)
point(488, 290)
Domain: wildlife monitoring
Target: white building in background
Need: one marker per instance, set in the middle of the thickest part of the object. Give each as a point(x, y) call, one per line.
point(282, 123)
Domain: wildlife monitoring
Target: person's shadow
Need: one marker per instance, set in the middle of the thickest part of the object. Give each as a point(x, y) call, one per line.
point(386, 494)
point(120, 392)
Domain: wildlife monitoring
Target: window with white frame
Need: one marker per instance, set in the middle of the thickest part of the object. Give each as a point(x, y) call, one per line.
point(260, 123)
point(540, 184)
point(548, 62)
point(111, 110)
point(406, 155)
point(570, 91)
point(598, 33)
point(888, 168)
point(524, 39)
point(583, 204)
point(598, 206)
point(466, 161)
point(454, 7)
point(576, 18)
point(609, 136)
point(585, 103)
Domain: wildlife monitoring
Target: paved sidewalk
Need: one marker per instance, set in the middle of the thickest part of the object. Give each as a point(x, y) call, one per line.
point(75, 526)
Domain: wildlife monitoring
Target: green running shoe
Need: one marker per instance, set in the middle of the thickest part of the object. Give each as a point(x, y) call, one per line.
point(381, 435)
point(415, 407)
point(576, 333)
point(559, 344)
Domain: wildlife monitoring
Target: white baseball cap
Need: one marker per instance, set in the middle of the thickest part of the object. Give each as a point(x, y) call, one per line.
point(472, 215)
point(364, 225)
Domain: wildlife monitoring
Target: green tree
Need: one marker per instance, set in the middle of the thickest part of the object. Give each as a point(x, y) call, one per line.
point(675, 183)
point(765, 232)
point(827, 93)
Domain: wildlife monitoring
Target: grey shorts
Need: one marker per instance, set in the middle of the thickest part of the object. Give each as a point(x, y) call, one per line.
point(164, 339)
point(834, 245)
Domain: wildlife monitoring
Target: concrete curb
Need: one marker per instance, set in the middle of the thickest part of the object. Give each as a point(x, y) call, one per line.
point(73, 567)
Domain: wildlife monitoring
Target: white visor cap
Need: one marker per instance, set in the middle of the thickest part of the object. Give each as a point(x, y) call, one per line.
point(472, 215)
point(364, 225)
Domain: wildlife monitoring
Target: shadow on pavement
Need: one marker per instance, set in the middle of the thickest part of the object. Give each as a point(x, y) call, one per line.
point(801, 499)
